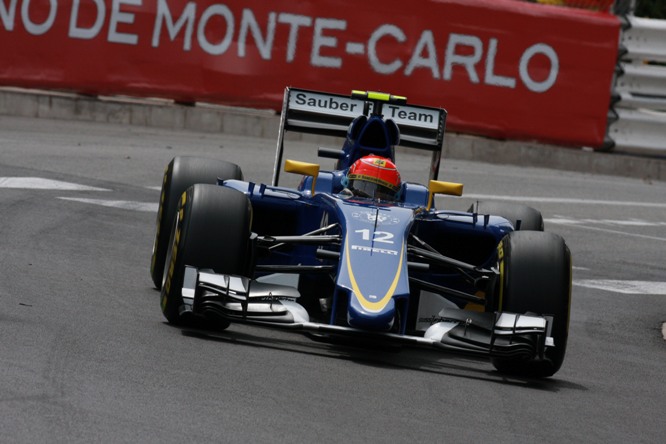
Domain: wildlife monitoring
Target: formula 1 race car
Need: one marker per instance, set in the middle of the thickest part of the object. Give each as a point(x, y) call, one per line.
point(355, 252)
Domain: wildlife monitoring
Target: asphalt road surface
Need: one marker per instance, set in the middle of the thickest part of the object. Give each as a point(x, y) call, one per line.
point(86, 356)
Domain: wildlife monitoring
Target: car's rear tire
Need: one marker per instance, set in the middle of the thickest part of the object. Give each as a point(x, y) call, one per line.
point(521, 216)
point(535, 278)
point(211, 231)
point(180, 174)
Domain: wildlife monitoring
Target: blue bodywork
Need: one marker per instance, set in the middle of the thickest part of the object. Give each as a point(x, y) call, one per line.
point(320, 260)
point(372, 278)
point(372, 285)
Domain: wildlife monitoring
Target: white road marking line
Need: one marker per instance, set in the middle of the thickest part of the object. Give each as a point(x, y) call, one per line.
point(632, 222)
point(663, 330)
point(624, 287)
point(38, 183)
point(566, 200)
point(122, 204)
point(607, 230)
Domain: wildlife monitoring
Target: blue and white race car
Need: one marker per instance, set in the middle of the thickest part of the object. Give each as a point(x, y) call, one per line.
point(356, 252)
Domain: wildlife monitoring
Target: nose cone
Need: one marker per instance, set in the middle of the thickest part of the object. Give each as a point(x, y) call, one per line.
point(358, 317)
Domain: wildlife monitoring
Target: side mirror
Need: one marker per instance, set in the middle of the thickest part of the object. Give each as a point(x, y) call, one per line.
point(439, 187)
point(304, 168)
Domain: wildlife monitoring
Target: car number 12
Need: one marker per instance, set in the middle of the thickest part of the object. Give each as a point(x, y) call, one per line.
point(378, 236)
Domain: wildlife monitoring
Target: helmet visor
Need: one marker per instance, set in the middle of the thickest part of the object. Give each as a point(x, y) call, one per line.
point(363, 188)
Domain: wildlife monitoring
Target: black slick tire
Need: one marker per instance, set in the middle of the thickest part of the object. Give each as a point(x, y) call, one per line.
point(211, 231)
point(179, 175)
point(522, 217)
point(535, 278)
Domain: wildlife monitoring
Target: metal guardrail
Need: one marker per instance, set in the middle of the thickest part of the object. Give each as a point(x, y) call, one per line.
point(637, 116)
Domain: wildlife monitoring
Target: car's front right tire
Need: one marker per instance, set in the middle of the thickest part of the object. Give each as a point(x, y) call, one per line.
point(181, 173)
point(211, 231)
point(535, 278)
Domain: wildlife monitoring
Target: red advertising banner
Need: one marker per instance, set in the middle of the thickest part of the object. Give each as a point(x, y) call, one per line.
point(501, 68)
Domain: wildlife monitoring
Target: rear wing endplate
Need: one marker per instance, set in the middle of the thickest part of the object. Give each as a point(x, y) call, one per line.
point(330, 114)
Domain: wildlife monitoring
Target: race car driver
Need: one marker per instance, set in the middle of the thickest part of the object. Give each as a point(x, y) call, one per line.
point(373, 177)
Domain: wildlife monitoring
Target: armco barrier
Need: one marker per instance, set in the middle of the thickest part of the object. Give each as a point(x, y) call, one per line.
point(501, 68)
point(637, 118)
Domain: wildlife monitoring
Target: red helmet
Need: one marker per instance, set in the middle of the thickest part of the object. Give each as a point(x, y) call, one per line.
point(375, 177)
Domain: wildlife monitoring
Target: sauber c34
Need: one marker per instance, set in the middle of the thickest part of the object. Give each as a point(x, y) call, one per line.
point(320, 260)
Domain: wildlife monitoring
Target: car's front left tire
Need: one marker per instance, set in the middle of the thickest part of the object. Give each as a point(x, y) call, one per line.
point(522, 217)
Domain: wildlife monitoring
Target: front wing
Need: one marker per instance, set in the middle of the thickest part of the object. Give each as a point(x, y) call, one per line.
point(240, 299)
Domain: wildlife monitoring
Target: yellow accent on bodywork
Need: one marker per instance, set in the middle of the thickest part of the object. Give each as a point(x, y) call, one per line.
point(305, 168)
point(439, 187)
point(500, 257)
point(379, 305)
point(378, 96)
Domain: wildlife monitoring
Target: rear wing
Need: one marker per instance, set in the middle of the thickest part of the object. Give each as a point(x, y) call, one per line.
point(330, 114)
